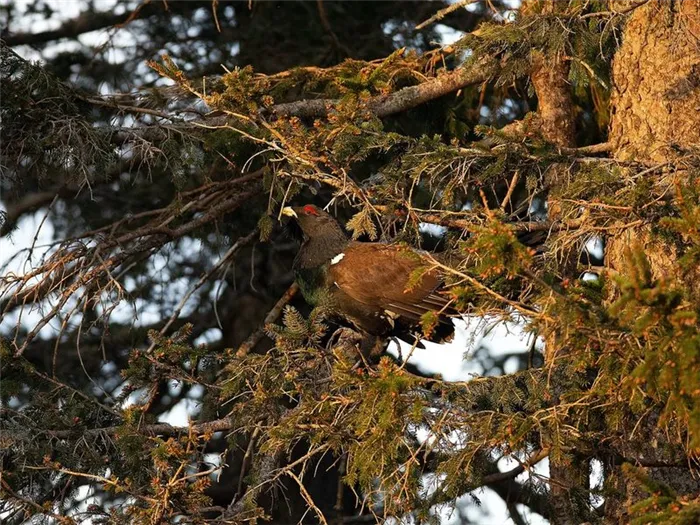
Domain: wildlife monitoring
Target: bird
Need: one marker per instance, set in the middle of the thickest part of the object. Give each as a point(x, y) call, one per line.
point(376, 287)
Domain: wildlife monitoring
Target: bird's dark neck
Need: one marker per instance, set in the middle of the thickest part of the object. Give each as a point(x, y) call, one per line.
point(320, 249)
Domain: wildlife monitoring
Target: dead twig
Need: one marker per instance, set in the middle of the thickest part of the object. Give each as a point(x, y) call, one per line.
point(271, 316)
point(246, 460)
point(444, 12)
point(243, 241)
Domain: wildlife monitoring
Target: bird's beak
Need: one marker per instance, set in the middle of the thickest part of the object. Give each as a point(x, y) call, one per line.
point(289, 212)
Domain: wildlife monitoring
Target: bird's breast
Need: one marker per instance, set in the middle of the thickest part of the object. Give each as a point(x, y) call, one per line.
point(313, 284)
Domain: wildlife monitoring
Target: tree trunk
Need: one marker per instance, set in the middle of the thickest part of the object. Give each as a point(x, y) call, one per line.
point(655, 120)
point(555, 117)
point(549, 75)
point(656, 73)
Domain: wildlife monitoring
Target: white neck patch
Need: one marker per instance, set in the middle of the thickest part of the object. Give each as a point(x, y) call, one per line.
point(337, 258)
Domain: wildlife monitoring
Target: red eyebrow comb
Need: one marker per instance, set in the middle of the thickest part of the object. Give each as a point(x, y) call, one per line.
point(309, 208)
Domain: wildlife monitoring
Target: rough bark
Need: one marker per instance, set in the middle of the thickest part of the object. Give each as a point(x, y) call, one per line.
point(554, 107)
point(656, 95)
point(401, 100)
point(655, 120)
point(555, 116)
point(549, 74)
point(655, 108)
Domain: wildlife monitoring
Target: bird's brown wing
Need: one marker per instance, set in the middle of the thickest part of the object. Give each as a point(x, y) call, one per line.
point(388, 278)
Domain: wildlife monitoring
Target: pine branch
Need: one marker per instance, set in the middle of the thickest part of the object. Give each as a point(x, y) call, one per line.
point(157, 429)
point(403, 99)
point(94, 265)
point(382, 106)
point(516, 227)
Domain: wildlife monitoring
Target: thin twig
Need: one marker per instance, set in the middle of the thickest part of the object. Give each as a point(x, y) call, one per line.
point(511, 188)
point(246, 460)
point(615, 13)
point(271, 316)
point(444, 12)
point(307, 497)
point(229, 253)
point(327, 26)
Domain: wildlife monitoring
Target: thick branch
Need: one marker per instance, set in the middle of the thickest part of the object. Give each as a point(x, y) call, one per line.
point(158, 429)
point(26, 204)
point(401, 100)
point(497, 477)
point(549, 74)
point(83, 23)
point(513, 492)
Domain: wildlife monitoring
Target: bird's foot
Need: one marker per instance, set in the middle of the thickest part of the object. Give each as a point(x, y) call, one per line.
point(343, 336)
point(346, 341)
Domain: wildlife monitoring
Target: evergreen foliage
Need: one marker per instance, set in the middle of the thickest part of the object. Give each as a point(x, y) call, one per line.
point(198, 172)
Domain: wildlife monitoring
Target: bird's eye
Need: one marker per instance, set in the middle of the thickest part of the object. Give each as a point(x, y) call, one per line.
point(311, 210)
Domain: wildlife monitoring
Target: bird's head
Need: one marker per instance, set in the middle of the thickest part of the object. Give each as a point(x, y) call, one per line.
point(323, 238)
point(314, 222)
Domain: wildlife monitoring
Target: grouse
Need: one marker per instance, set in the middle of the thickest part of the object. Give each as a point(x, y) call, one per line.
point(374, 286)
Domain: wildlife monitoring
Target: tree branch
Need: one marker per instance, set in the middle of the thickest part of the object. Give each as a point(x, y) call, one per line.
point(443, 13)
point(27, 204)
point(497, 477)
point(382, 106)
point(513, 492)
point(272, 315)
point(401, 100)
point(83, 23)
point(157, 429)
point(94, 264)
